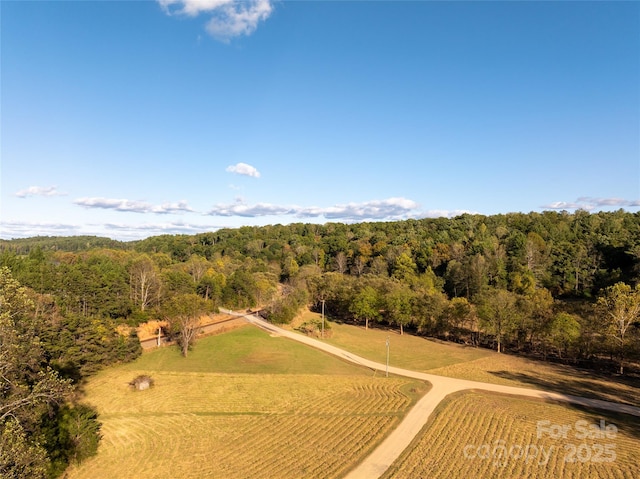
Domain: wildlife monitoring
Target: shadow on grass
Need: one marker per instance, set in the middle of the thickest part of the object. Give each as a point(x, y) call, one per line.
point(625, 423)
point(598, 421)
point(589, 385)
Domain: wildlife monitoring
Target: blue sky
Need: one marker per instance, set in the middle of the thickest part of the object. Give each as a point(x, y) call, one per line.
point(131, 119)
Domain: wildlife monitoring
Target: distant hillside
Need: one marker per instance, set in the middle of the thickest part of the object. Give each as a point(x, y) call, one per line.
point(60, 243)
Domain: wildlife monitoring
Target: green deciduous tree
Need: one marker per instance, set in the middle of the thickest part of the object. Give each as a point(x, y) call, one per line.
point(620, 307)
point(240, 290)
point(290, 268)
point(285, 308)
point(70, 436)
point(398, 305)
point(365, 305)
point(28, 386)
point(459, 314)
point(564, 331)
point(536, 310)
point(20, 456)
point(210, 285)
point(404, 268)
point(499, 314)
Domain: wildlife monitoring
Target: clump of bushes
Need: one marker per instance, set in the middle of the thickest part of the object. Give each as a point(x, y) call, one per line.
point(314, 328)
point(284, 309)
point(142, 382)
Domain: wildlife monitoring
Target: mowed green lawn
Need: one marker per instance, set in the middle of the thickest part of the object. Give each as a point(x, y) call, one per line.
point(247, 350)
point(478, 435)
point(242, 405)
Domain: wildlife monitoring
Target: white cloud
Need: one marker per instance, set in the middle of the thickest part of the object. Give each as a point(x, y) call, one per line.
point(39, 191)
point(446, 213)
point(589, 203)
point(243, 169)
point(191, 8)
point(389, 209)
point(25, 229)
point(119, 231)
point(563, 205)
point(238, 18)
point(615, 202)
point(137, 231)
point(133, 206)
point(229, 18)
point(240, 208)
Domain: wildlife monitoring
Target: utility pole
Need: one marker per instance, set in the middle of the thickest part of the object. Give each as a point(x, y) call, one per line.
point(323, 319)
point(387, 372)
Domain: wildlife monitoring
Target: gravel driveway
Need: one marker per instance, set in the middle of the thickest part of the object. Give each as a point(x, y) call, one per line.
point(388, 451)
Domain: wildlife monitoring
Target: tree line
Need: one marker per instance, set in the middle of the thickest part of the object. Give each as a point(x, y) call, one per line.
point(556, 285)
point(540, 264)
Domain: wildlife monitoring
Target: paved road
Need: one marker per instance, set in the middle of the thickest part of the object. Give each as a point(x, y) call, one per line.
point(388, 451)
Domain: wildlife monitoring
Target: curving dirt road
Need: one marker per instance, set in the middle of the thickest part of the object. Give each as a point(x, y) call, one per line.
point(388, 451)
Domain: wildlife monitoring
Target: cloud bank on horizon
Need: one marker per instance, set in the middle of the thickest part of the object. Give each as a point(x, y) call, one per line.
point(134, 206)
point(389, 209)
point(228, 18)
point(588, 203)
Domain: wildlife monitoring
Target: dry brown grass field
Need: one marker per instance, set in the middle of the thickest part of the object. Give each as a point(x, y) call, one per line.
point(265, 419)
point(248, 405)
point(476, 364)
point(466, 435)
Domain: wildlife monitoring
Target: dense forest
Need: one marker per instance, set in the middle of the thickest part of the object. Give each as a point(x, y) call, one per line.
point(554, 285)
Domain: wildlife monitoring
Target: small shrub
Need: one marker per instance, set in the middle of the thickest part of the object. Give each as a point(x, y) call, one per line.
point(142, 382)
point(314, 328)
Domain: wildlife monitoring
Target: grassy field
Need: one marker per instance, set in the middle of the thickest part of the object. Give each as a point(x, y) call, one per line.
point(242, 405)
point(247, 405)
point(465, 362)
point(464, 439)
point(247, 350)
point(406, 351)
